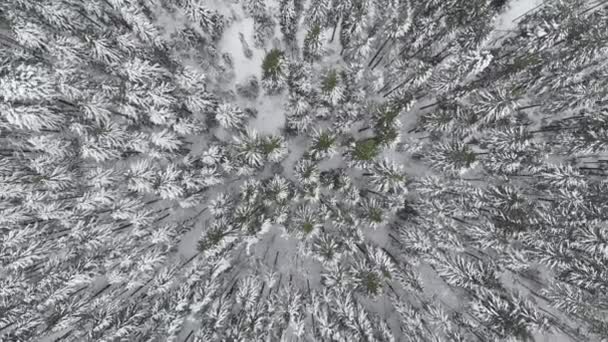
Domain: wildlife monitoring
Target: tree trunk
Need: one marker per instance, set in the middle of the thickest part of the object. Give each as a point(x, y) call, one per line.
point(375, 193)
point(594, 7)
point(384, 88)
point(447, 46)
point(378, 52)
point(7, 326)
point(396, 88)
point(525, 14)
point(430, 105)
point(82, 13)
point(63, 336)
point(528, 107)
point(276, 258)
point(378, 62)
point(162, 217)
point(333, 32)
point(189, 335)
point(101, 291)
point(429, 43)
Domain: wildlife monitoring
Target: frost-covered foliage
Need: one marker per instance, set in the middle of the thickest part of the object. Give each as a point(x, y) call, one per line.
point(433, 178)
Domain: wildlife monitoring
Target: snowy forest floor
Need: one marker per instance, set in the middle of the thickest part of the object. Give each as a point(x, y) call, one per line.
point(276, 243)
point(304, 170)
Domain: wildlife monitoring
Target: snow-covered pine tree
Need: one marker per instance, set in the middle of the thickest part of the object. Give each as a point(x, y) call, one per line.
point(274, 70)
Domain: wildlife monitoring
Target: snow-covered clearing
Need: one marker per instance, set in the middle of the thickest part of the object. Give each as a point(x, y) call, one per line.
point(297, 146)
point(270, 109)
point(506, 22)
point(271, 114)
point(515, 10)
point(243, 67)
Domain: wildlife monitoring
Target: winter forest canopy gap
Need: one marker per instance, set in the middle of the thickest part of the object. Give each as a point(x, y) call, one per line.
point(290, 170)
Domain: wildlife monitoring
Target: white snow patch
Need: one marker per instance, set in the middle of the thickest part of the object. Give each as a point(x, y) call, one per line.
point(243, 67)
point(334, 162)
point(297, 147)
point(187, 246)
point(555, 336)
point(271, 114)
point(507, 20)
point(516, 8)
